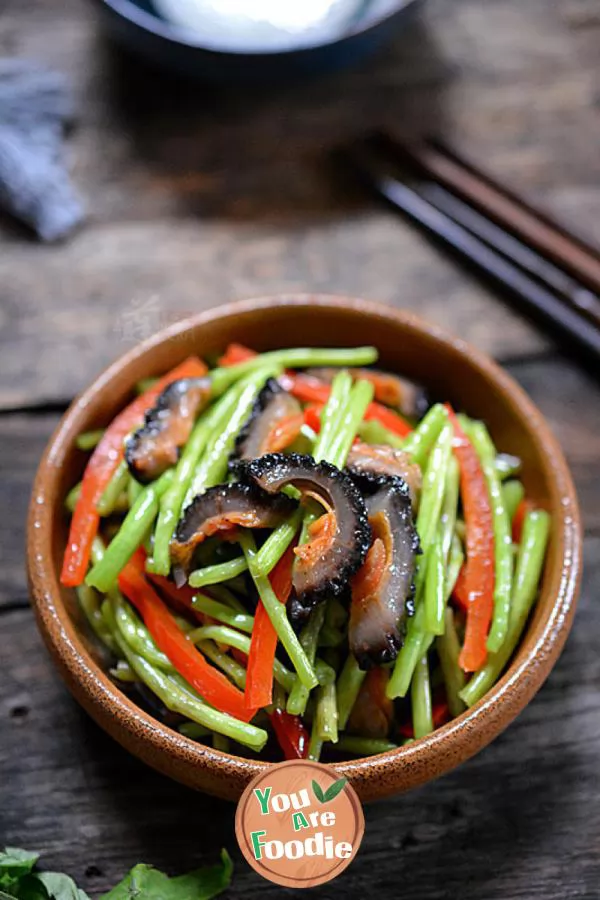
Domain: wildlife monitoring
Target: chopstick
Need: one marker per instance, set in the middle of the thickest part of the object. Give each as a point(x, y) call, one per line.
point(499, 204)
point(540, 287)
point(513, 229)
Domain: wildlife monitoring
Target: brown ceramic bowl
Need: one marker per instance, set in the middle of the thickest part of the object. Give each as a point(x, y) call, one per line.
point(449, 368)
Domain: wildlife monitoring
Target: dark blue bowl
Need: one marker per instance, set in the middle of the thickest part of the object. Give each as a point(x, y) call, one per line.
point(188, 52)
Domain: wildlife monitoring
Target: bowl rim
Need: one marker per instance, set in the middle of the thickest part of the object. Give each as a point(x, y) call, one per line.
point(427, 757)
point(182, 37)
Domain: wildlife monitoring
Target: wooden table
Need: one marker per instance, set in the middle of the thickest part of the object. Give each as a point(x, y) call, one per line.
point(197, 196)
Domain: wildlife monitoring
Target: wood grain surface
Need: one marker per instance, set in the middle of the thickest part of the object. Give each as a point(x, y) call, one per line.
point(197, 196)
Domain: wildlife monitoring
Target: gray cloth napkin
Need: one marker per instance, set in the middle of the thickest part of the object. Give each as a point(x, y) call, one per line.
point(35, 108)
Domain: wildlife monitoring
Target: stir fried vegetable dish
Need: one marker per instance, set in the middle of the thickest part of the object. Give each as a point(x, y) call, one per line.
point(293, 554)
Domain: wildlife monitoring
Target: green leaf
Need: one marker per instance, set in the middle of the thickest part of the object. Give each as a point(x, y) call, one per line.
point(207, 882)
point(16, 862)
point(334, 789)
point(147, 883)
point(31, 888)
point(15, 865)
point(318, 792)
point(137, 880)
point(60, 887)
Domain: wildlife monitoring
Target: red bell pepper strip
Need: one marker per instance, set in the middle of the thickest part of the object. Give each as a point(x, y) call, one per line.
point(386, 388)
point(238, 655)
point(523, 508)
point(310, 390)
point(312, 416)
point(181, 597)
point(373, 711)
point(460, 592)
point(211, 684)
point(291, 734)
point(479, 574)
point(440, 714)
point(101, 467)
point(236, 353)
point(388, 418)
point(259, 675)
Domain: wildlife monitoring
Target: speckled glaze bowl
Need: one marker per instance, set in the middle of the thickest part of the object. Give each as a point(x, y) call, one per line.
point(450, 369)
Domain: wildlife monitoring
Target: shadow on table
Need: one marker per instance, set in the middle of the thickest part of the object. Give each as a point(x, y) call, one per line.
point(503, 825)
point(167, 825)
point(464, 835)
point(263, 154)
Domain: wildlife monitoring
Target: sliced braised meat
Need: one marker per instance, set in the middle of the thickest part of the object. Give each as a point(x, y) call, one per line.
point(266, 430)
point(338, 540)
point(220, 509)
point(368, 462)
point(155, 446)
point(407, 397)
point(373, 711)
point(382, 592)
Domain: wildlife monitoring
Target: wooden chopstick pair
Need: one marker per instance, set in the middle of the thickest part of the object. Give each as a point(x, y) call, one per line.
point(549, 273)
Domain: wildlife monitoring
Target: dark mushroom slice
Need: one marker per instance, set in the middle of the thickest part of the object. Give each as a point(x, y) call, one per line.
point(338, 540)
point(408, 398)
point(373, 711)
point(260, 435)
point(155, 446)
point(220, 509)
point(382, 603)
point(367, 463)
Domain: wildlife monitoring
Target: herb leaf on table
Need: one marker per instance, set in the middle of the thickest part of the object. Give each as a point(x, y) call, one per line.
point(148, 883)
point(60, 887)
point(14, 865)
point(18, 881)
